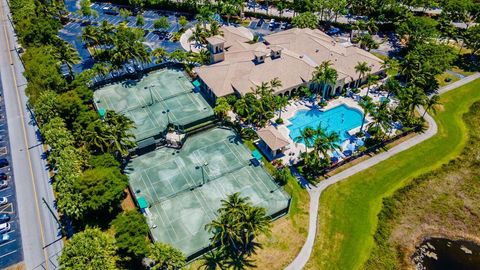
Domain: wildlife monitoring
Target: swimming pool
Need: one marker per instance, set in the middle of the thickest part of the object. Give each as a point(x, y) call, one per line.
point(339, 119)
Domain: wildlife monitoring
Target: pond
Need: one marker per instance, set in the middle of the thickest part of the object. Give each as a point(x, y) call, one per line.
point(443, 254)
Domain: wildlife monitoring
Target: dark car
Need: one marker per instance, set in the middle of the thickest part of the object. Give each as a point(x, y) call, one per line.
point(3, 176)
point(4, 217)
point(3, 162)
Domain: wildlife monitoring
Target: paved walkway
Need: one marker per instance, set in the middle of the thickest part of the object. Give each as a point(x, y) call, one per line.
point(315, 192)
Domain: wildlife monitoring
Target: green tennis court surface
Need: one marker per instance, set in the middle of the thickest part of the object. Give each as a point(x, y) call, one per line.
point(184, 187)
point(160, 97)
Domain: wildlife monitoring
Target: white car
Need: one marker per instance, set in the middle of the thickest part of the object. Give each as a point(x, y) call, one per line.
point(4, 238)
point(272, 22)
point(5, 227)
point(3, 184)
point(3, 200)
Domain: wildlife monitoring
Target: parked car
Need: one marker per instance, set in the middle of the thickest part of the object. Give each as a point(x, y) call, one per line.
point(3, 176)
point(3, 200)
point(4, 238)
point(283, 25)
point(272, 23)
point(3, 162)
point(4, 227)
point(110, 11)
point(4, 217)
point(3, 184)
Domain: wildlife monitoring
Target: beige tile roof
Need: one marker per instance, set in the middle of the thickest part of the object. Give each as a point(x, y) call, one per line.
point(320, 47)
point(302, 50)
point(272, 137)
point(215, 40)
point(243, 74)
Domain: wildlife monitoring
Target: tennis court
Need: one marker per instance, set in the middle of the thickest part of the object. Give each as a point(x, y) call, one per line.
point(159, 98)
point(184, 187)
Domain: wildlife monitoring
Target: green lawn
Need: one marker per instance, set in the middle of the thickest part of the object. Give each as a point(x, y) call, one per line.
point(348, 210)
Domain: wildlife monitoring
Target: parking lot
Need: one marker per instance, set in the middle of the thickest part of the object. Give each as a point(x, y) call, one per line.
point(11, 248)
point(154, 38)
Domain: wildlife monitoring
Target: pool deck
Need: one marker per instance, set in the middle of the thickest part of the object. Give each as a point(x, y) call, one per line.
point(294, 149)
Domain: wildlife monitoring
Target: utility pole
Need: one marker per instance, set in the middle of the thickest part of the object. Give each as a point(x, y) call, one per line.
point(54, 216)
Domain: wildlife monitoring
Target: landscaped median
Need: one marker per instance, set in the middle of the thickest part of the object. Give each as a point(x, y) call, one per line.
point(348, 210)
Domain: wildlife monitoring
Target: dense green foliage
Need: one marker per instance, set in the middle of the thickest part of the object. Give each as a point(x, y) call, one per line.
point(166, 257)
point(131, 233)
point(91, 249)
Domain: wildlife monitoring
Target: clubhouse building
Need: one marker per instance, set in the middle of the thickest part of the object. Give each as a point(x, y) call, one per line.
point(238, 65)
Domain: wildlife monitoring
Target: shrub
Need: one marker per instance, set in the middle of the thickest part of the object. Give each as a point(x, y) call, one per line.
point(279, 121)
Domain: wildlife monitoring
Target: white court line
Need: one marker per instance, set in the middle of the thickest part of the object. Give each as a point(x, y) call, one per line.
point(9, 242)
point(9, 253)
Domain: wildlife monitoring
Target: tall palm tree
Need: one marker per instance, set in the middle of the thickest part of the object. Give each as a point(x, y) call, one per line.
point(213, 260)
point(371, 80)
point(198, 35)
point(391, 86)
point(229, 10)
point(67, 55)
point(121, 128)
point(215, 29)
point(415, 97)
point(326, 75)
point(430, 104)
point(204, 15)
point(361, 68)
point(381, 117)
point(367, 106)
point(307, 135)
point(159, 53)
point(280, 103)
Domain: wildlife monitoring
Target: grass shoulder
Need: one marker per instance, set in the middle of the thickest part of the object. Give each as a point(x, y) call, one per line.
point(442, 202)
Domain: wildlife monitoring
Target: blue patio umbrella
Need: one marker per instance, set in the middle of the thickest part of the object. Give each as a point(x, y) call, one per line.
point(351, 147)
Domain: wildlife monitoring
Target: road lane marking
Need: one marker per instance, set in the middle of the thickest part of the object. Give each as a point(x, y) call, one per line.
point(22, 117)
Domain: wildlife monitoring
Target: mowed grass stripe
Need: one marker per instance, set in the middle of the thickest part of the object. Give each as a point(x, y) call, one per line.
point(348, 210)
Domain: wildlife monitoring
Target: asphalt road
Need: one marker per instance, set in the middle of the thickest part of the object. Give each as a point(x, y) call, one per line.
point(41, 238)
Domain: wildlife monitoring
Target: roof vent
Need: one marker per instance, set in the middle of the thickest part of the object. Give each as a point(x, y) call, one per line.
point(275, 52)
point(259, 57)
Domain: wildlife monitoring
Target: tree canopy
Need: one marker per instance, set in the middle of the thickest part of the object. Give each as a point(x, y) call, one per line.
point(91, 249)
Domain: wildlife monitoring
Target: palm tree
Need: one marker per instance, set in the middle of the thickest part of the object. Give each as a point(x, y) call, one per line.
point(372, 27)
point(204, 15)
point(229, 10)
point(202, 57)
point(280, 103)
point(361, 68)
point(381, 117)
point(367, 106)
point(307, 135)
point(237, 225)
point(159, 53)
point(121, 128)
point(198, 35)
point(371, 80)
point(367, 42)
point(415, 97)
point(325, 141)
point(391, 86)
point(67, 55)
point(215, 29)
point(325, 75)
point(431, 103)
point(213, 260)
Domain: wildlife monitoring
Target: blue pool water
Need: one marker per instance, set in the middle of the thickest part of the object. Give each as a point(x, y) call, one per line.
point(339, 119)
